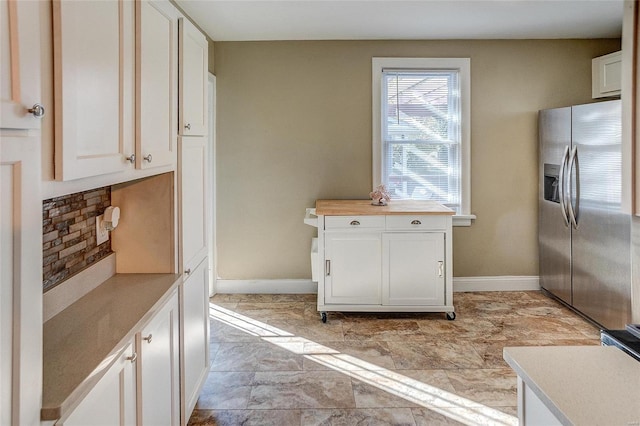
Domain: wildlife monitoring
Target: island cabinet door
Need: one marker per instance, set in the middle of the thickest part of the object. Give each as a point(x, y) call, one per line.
point(353, 268)
point(413, 266)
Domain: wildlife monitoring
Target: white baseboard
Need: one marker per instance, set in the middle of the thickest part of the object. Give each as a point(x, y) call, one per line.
point(266, 286)
point(460, 284)
point(497, 283)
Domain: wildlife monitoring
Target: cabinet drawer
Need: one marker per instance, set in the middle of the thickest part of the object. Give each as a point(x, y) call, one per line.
point(353, 222)
point(417, 222)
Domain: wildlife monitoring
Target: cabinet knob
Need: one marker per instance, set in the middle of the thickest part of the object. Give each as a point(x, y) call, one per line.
point(148, 158)
point(187, 126)
point(148, 338)
point(354, 223)
point(37, 110)
point(187, 271)
point(131, 158)
point(133, 357)
point(416, 222)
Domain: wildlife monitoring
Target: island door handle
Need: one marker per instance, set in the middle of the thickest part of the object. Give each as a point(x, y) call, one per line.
point(440, 268)
point(327, 267)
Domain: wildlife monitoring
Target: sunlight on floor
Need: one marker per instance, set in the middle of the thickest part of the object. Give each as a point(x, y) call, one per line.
point(453, 406)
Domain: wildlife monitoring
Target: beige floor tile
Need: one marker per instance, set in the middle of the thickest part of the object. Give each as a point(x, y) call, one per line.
point(492, 387)
point(308, 389)
point(226, 390)
point(361, 354)
point(370, 417)
point(262, 356)
point(439, 354)
point(426, 417)
point(245, 418)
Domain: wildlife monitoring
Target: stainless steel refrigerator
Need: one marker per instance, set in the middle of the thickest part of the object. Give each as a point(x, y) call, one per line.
point(584, 237)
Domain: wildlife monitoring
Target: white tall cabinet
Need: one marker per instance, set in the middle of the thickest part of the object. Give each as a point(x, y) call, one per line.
point(20, 217)
point(193, 165)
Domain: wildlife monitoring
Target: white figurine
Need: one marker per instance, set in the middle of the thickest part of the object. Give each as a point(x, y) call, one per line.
point(379, 196)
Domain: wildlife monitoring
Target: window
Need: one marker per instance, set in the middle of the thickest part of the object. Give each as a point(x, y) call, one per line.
point(421, 129)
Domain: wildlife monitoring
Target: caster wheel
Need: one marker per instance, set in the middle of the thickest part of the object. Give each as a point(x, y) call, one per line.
point(324, 317)
point(451, 316)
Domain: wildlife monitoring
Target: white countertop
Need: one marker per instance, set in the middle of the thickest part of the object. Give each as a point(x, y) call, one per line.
point(581, 385)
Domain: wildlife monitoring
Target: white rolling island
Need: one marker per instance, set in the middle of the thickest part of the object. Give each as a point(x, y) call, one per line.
point(576, 385)
point(394, 258)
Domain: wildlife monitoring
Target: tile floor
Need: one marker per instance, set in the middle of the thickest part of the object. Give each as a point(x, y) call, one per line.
point(273, 362)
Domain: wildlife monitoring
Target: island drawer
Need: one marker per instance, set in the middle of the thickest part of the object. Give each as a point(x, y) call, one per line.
point(353, 222)
point(416, 222)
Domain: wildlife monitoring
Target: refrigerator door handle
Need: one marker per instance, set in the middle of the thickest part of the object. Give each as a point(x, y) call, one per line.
point(573, 214)
point(561, 192)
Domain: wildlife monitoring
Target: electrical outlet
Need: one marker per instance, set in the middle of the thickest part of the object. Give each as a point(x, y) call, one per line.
point(102, 235)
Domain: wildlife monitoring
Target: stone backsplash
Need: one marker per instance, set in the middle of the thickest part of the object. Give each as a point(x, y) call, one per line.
point(69, 234)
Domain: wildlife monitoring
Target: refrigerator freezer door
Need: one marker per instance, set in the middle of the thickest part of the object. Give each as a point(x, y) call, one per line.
point(554, 233)
point(601, 239)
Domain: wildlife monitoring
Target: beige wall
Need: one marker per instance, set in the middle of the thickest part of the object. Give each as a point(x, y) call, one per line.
point(294, 125)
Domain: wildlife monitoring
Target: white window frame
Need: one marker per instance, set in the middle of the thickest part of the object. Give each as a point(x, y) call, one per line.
point(463, 65)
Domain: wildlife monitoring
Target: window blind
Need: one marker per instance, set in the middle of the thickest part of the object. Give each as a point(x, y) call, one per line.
point(421, 135)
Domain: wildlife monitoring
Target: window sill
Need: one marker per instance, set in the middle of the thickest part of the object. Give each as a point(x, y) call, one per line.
point(463, 219)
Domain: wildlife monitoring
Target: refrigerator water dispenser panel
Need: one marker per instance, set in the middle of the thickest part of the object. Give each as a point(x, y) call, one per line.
point(552, 182)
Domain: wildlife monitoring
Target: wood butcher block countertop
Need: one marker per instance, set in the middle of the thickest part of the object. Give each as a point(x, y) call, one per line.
point(395, 207)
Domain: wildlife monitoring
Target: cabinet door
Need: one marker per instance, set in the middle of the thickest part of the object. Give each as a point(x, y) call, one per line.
point(413, 268)
point(156, 83)
point(19, 63)
point(20, 278)
point(112, 401)
point(194, 52)
point(158, 397)
point(193, 195)
point(94, 77)
point(353, 268)
point(194, 336)
point(606, 75)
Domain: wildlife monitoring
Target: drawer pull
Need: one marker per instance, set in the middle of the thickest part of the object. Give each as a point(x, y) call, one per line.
point(440, 268)
point(327, 267)
point(416, 222)
point(132, 358)
point(354, 223)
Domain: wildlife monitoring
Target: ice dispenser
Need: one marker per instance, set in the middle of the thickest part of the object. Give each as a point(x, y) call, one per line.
point(552, 182)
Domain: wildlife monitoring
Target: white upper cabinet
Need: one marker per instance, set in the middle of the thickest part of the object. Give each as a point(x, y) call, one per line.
point(94, 55)
point(156, 83)
point(193, 80)
point(606, 75)
point(19, 64)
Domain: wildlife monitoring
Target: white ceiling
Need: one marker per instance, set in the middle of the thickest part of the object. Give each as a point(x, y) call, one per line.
point(398, 19)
